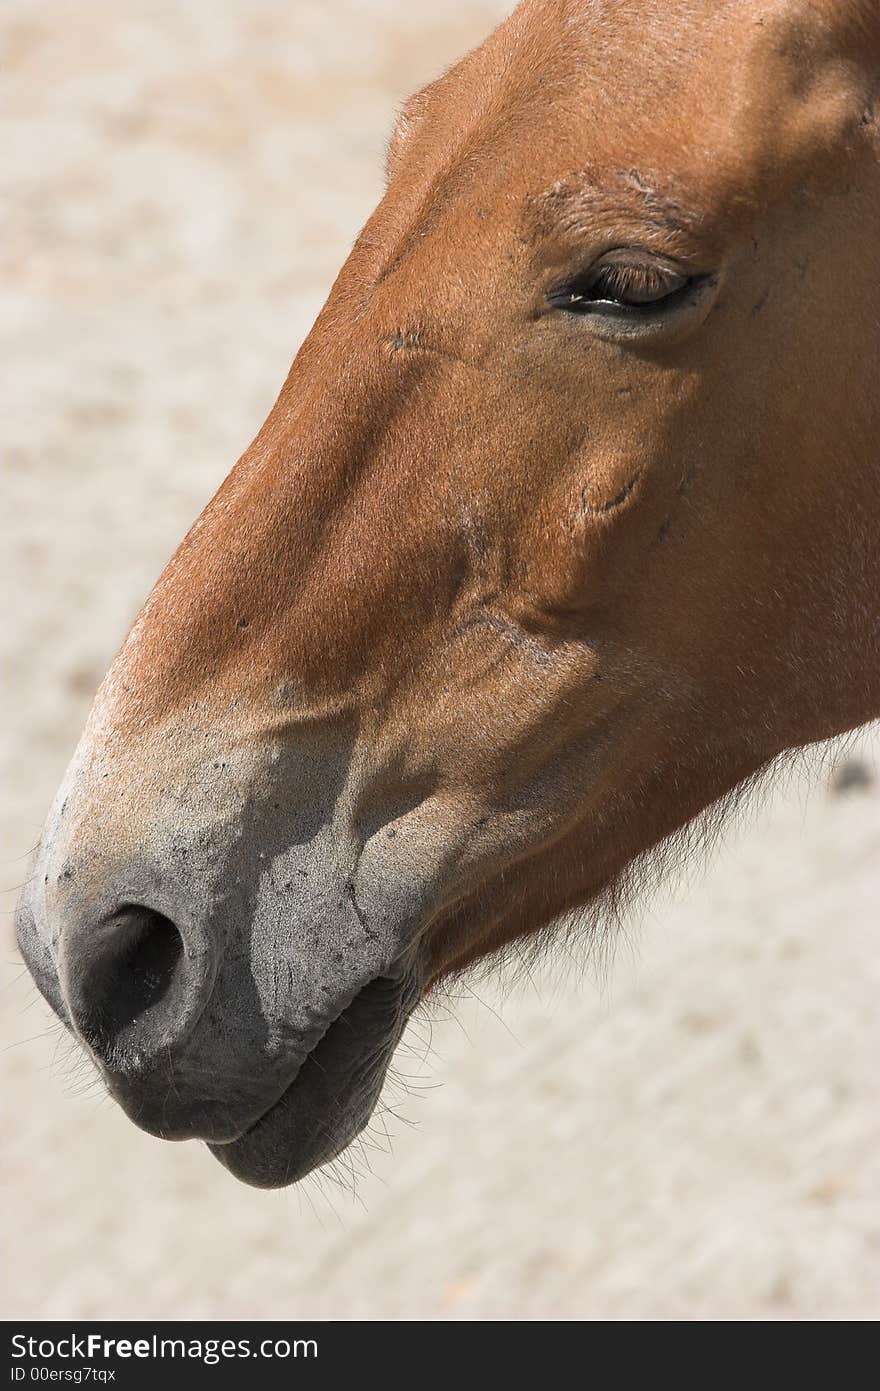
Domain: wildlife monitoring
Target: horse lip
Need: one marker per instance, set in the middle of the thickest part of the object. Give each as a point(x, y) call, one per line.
point(223, 1124)
point(241, 1132)
point(332, 1095)
point(316, 1038)
point(206, 1118)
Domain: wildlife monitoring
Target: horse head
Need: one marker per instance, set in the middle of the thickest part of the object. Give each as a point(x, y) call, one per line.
point(563, 526)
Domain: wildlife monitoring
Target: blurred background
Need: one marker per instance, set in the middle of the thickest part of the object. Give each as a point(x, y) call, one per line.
point(691, 1132)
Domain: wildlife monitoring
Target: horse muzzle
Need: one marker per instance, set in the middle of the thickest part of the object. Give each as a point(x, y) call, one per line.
point(220, 973)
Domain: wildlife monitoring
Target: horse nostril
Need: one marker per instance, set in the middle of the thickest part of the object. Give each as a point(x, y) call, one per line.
point(124, 985)
point(150, 952)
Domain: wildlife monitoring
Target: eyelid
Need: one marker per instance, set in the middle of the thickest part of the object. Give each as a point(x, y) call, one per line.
point(622, 277)
point(665, 320)
point(638, 261)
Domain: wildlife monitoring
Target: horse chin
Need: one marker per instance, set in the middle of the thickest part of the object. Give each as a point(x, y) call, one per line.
point(333, 1095)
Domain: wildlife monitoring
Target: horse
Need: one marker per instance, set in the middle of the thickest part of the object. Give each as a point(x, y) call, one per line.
point(562, 530)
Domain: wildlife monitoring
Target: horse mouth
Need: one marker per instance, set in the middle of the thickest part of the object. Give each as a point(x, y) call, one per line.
point(331, 1098)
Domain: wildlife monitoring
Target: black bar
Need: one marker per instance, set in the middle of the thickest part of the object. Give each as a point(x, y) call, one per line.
point(130, 1355)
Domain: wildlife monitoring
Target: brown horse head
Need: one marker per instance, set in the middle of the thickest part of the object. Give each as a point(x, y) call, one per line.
point(563, 525)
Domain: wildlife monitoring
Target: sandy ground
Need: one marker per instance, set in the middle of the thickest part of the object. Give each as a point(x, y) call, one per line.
point(695, 1136)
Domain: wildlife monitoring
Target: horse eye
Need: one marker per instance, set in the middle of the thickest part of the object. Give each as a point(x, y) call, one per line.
point(621, 286)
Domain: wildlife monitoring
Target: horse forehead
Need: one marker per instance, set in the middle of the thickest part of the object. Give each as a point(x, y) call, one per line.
point(716, 93)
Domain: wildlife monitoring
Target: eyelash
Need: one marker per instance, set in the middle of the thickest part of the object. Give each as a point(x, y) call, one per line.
point(622, 287)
